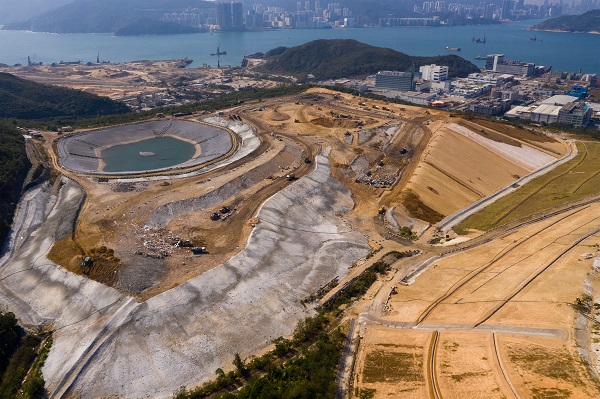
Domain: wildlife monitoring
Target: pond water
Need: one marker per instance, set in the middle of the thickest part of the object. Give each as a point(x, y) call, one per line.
point(150, 154)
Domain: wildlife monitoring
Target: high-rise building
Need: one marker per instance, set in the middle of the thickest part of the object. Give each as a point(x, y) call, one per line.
point(224, 17)
point(506, 6)
point(394, 80)
point(237, 14)
point(492, 60)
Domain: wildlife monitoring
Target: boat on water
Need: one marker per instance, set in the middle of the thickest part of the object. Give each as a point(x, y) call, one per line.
point(480, 58)
point(478, 40)
point(534, 38)
point(219, 52)
point(452, 48)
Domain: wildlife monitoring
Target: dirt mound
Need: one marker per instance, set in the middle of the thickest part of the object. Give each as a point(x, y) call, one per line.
point(331, 122)
point(277, 116)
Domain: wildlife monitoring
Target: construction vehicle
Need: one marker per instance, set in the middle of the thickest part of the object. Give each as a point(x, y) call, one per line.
point(381, 210)
point(225, 210)
point(215, 216)
point(290, 177)
point(307, 160)
point(199, 250)
point(403, 150)
point(86, 263)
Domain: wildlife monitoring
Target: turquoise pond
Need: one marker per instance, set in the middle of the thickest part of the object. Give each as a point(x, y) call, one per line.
point(168, 151)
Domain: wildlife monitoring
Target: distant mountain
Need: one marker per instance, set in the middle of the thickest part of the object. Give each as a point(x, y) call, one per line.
point(26, 99)
point(14, 11)
point(333, 59)
point(588, 22)
point(108, 16)
point(147, 26)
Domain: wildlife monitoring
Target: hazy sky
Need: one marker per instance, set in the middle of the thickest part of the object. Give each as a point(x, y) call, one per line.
point(20, 10)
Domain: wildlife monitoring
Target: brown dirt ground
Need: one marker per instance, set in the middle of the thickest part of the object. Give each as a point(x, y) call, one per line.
point(537, 366)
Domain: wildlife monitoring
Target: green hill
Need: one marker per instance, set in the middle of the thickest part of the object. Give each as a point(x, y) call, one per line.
point(333, 59)
point(109, 16)
point(25, 99)
point(13, 169)
point(588, 22)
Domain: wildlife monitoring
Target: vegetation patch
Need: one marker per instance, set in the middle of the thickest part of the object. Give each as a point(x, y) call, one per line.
point(573, 180)
point(303, 366)
point(515, 132)
point(14, 165)
point(418, 209)
point(367, 393)
point(550, 393)
point(393, 367)
point(556, 364)
point(26, 99)
point(469, 374)
point(351, 58)
point(22, 356)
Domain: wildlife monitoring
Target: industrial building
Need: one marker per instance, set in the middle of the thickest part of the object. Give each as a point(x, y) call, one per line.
point(494, 79)
point(489, 107)
point(497, 63)
point(556, 109)
point(434, 73)
point(394, 80)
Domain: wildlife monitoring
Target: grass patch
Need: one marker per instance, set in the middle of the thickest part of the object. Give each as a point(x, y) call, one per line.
point(515, 132)
point(556, 364)
point(418, 209)
point(469, 374)
point(393, 367)
point(550, 393)
point(367, 393)
point(576, 179)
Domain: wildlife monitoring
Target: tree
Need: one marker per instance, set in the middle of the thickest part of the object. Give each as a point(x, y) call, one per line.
point(240, 366)
point(9, 338)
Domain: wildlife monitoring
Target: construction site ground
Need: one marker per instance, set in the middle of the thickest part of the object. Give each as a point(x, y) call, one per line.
point(495, 321)
point(308, 204)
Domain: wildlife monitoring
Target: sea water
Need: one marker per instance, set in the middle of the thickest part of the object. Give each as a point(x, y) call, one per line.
point(562, 51)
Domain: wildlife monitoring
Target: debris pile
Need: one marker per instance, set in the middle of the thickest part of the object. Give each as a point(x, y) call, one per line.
point(385, 180)
point(158, 243)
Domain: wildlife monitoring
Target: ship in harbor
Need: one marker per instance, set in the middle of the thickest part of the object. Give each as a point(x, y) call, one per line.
point(480, 58)
point(219, 52)
point(452, 48)
point(478, 40)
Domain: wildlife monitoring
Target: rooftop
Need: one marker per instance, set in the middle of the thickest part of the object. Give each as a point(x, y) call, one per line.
point(560, 100)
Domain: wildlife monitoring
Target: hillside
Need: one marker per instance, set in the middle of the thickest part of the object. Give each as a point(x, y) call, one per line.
point(147, 26)
point(107, 16)
point(25, 99)
point(588, 22)
point(332, 59)
point(13, 169)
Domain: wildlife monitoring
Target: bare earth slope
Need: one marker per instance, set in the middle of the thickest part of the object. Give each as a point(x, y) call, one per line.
point(108, 344)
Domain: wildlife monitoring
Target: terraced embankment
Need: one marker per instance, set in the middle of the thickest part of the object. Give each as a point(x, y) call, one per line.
point(106, 344)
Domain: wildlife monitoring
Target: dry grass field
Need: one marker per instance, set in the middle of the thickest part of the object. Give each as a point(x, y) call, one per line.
point(502, 314)
point(576, 179)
